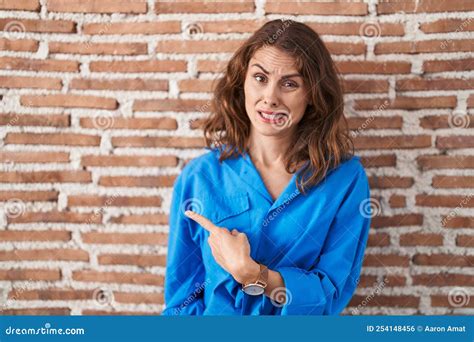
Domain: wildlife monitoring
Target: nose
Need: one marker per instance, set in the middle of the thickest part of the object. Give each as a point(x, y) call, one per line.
point(271, 96)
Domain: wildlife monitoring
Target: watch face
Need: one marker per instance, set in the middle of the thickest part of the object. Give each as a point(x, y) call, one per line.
point(253, 290)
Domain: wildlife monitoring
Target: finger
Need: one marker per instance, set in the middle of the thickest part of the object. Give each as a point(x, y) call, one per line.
point(213, 246)
point(207, 224)
point(235, 232)
point(210, 241)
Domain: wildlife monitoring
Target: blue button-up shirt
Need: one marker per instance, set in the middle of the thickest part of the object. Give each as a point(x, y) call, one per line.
point(316, 240)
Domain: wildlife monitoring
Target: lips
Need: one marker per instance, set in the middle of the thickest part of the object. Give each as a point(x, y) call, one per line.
point(269, 112)
point(272, 115)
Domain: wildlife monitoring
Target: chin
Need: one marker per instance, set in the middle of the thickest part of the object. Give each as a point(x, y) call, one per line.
point(269, 131)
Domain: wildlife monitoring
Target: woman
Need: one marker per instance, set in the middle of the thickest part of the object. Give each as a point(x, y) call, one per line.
point(268, 222)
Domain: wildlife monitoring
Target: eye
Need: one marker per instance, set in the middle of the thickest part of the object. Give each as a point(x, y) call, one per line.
point(290, 84)
point(259, 77)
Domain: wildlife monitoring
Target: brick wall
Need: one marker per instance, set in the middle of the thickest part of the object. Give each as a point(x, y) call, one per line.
point(100, 105)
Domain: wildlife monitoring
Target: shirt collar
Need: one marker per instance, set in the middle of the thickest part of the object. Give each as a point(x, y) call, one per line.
point(244, 168)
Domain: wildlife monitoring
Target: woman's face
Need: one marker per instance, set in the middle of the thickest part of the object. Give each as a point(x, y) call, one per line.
point(275, 94)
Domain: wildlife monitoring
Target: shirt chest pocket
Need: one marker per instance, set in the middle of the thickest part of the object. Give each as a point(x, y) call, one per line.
point(229, 211)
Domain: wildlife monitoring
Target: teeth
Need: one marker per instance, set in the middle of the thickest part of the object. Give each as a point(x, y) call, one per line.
point(267, 116)
point(272, 116)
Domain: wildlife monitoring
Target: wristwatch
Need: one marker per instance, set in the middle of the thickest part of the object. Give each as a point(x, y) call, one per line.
point(257, 287)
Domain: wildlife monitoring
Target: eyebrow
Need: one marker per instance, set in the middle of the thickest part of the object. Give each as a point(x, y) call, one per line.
point(284, 76)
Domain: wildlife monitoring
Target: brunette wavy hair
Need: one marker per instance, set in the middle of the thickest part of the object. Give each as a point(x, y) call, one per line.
point(322, 135)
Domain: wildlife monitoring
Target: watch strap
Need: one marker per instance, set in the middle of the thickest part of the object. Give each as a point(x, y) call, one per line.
point(263, 275)
point(262, 278)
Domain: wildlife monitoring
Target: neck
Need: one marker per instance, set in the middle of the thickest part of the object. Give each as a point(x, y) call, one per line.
point(268, 150)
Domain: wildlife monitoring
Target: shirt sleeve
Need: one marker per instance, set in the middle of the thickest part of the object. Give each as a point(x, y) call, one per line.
point(327, 288)
point(184, 266)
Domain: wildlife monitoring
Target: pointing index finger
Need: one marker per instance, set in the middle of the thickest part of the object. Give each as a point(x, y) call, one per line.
point(203, 221)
